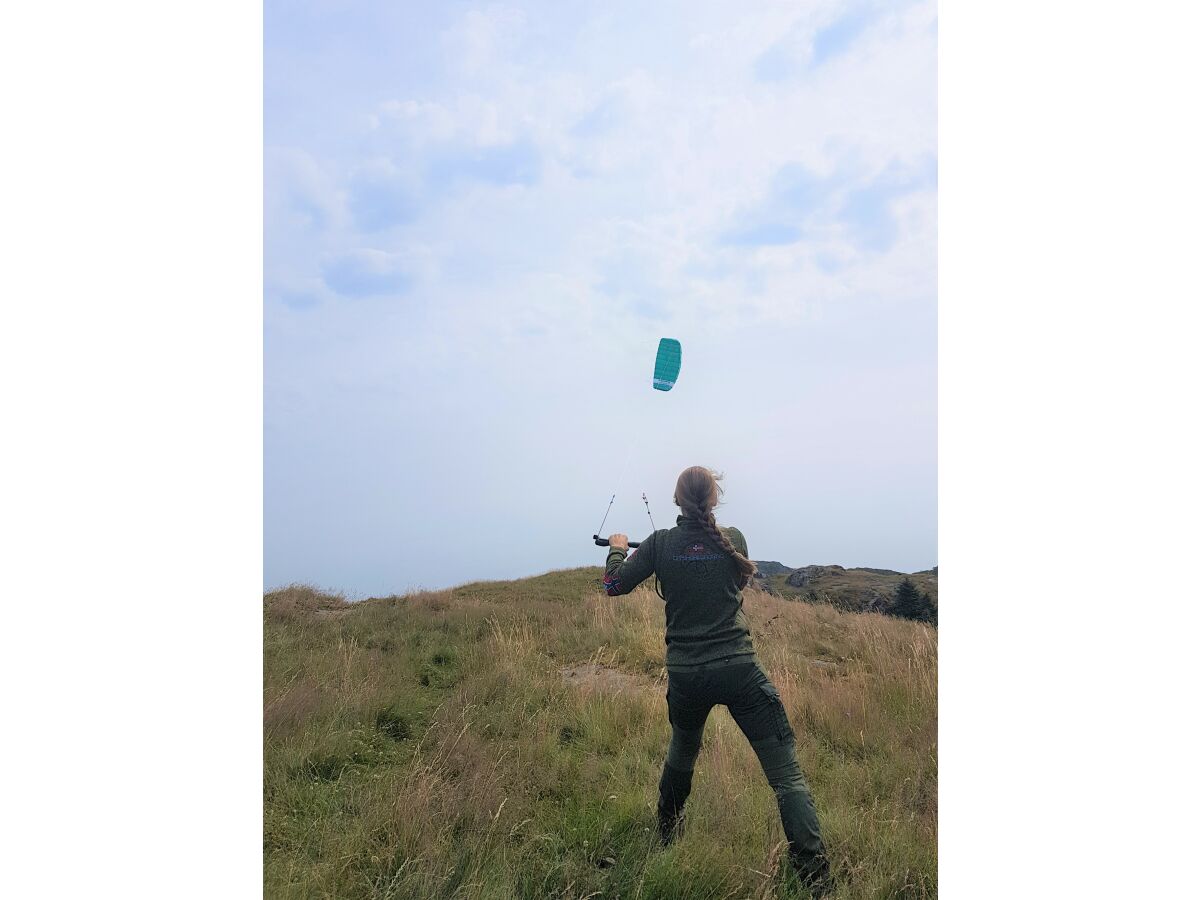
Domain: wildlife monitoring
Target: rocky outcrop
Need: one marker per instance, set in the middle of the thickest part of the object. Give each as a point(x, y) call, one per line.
point(802, 577)
point(873, 601)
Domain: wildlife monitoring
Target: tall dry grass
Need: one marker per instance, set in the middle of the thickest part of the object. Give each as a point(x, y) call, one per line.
point(429, 746)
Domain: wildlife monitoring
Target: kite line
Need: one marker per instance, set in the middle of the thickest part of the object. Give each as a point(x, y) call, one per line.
point(666, 371)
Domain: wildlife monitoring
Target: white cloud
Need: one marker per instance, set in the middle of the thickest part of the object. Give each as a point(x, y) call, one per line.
point(366, 272)
point(484, 38)
point(298, 192)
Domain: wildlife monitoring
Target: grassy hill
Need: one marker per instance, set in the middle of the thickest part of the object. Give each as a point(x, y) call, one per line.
point(504, 739)
point(854, 590)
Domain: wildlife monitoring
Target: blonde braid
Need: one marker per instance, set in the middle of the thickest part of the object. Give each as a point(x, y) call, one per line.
point(708, 522)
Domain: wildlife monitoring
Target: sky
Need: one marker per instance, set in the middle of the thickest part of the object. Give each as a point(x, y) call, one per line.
point(480, 219)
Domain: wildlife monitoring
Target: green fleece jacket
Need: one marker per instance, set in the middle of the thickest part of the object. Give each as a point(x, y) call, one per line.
point(705, 622)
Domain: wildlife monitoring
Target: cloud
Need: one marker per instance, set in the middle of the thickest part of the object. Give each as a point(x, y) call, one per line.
point(836, 38)
point(771, 234)
point(366, 273)
point(425, 118)
point(780, 61)
point(868, 211)
point(633, 276)
point(859, 205)
point(381, 198)
point(483, 37)
point(431, 155)
point(297, 193)
point(602, 118)
point(803, 48)
point(799, 190)
point(795, 194)
point(517, 163)
point(299, 300)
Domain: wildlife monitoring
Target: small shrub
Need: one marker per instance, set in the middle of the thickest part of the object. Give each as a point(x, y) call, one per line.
point(393, 722)
point(440, 670)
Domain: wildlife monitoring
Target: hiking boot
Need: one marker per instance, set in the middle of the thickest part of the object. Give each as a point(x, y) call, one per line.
point(814, 873)
point(673, 790)
point(670, 826)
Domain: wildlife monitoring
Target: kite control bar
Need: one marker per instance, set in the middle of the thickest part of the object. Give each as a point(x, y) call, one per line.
point(603, 542)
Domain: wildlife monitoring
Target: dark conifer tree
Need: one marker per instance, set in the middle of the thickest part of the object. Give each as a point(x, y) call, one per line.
point(905, 600)
point(928, 609)
point(909, 603)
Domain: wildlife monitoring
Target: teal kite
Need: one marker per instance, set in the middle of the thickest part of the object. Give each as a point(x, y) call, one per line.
point(666, 365)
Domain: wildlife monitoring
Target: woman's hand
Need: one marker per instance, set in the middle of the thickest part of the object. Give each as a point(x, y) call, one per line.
point(618, 542)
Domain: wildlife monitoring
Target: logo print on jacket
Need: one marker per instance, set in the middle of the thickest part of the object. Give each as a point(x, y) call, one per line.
point(696, 553)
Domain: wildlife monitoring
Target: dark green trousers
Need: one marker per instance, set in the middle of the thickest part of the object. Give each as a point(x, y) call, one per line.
point(754, 703)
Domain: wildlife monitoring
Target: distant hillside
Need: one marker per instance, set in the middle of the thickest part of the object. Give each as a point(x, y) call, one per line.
point(768, 569)
point(854, 590)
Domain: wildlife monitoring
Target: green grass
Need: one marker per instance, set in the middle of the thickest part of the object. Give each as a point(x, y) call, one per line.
point(427, 746)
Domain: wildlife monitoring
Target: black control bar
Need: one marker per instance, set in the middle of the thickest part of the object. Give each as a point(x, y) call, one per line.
point(603, 542)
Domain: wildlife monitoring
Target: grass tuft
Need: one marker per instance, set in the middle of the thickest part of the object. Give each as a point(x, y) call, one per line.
point(393, 722)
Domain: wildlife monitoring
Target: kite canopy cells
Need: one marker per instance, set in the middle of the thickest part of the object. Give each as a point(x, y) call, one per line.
point(666, 365)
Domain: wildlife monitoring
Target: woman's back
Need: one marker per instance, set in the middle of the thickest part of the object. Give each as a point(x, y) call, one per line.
point(699, 582)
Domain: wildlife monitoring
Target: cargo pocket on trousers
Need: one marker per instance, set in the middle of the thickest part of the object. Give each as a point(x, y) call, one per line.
point(779, 719)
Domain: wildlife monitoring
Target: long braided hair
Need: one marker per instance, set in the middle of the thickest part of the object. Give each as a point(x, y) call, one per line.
point(697, 491)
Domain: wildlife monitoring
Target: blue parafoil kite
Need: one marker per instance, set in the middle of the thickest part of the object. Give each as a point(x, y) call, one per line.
point(666, 365)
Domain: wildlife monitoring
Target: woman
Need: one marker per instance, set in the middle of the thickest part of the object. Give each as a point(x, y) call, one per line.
point(710, 659)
